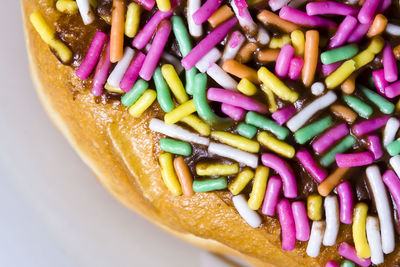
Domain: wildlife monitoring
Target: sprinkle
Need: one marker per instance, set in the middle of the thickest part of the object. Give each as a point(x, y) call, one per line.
point(301, 18)
point(344, 112)
point(270, 18)
point(133, 95)
point(330, 8)
point(295, 68)
point(235, 113)
point(328, 69)
point(273, 107)
point(233, 45)
point(211, 169)
point(211, 57)
point(147, 4)
point(174, 83)
point(393, 90)
point(266, 124)
point(330, 137)
point(348, 252)
point(246, 87)
point(393, 148)
point(384, 106)
point(236, 141)
point(222, 14)
point(67, 6)
point(246, 130)
point(275, 5)
point(332, 181)
point(177, 132)
point(310, 57)
point(263, 36)
point(374, 240)
point(313, 129)
point(341, 147)
point(143, 103)
point(383, 208)
point(118, 72)
point(184, 176)
point(175, 147)
point(309, 164)
point(275, 145)
point(283, 115)
point(194, 29)
point(205, 11)
point(374, 146)
point(239, 70)
point(379, 80)
point(316, 236)
point(163, 5)
point(249, 215)
point(301, 221)
point(368, 126)
point(314, 207)
point(390, 131)
point(288, 230)
point(267, 55)
point(340, 74)
point(395, 163)
point(179, 112)
point(85, 11)
point(346, 202)
point(359, 32)
point(197, 124)
point(359, 106)
point(245, 53)
point(132, 20)
point(240, 181)
point(163, 94)
point(331, 264)
point(349, 85)
point(297, 38)
point(244, 18)
point(354, 159)
point(393, 29)
point(117, 30)
point(392, 182)
point(343, 32)
point(359, 230)
point(367, 11)
point(378, 26)
point(339, 54)
point(366, 56)
point(271, 196)
point(332, 220)
point(168, 174)
point(259, 187)
point(132, 72)
point(389, 64)
point(101, 72)
point(221, 77)
point(209, 184)
point(246, 158)
point(279, 165)
point(279, 42)
point(113, 89)
point(283, 61)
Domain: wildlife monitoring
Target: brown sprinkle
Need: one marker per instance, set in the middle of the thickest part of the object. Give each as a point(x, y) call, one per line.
point(239, 70)
point(222, 14)
point(246, 52)
point(396, 52)
point(349, 85)
point(270, 18)
point(377, 26)
point(268, 55)
point(344, 112)
point(331, 181)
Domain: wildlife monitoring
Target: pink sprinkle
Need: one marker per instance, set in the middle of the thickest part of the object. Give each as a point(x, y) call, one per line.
point(284, 171)
point(233, 112)
point(369, 126)
point(330, 8)
point(329, 68)
point(236, 99)
point(309, 164)
point(205, 11)
point(331, 264)
point(283, 61)
point(299, 17)
point(392, 182)
point(296, 65)
point(385, 4)
point(389, 64)
point(281, 116)
point(156, 49)
point(92, 55)
point(359, 32)
point(354, 159)
point(271, 196)
point(329, 138)
point(147, 4)
point(374, 146)
point(393, 90)
point(242, 6)
point(101, 72)
point(143, 37)
point(236, 39)
point(348, 252)
point(132, 72)
point(379, 80)
point(301, 221)
point(367, 11)
point(346, 202)
point(207, 43)
point(344, 31)
point(287, 225)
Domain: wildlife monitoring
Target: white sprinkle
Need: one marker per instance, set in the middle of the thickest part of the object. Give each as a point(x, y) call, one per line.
point(221, 77)
point(118, 72)
point(393, 29)
point(395, 163)
point(317, 88)
point(249, 215)
point(332, 220)
point(244, 18)
point(170, 59)
point(194, 29)
point(298, 120)
point(205, 62)
point(85, 11)
point(263, 35)
point(382, 207)
point(391, 128)
point(275, 5)
point(374, 240)
point(177, 132)
point(314, 243)
point(246, 158)
point(229, 51)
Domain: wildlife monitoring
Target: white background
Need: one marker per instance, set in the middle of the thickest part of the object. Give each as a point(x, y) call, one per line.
point(53, 211)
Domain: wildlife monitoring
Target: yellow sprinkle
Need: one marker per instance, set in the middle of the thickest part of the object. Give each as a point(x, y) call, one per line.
point(271, 98)
point(180, 112)
point(62, 51)
point(237, 141)
point(366, 56)
point(113, 89)
point(168, 174)
point(210, 169)
point(376, 45)
point(314, 207)
point(143, 103)
point(297, 38)
point(132, 19)
point(359, 231)
point(247, 87)
point(279, 42)
point(67, 6)
point(163, 5)
point(197, 124)
point(259, 187)
point(174, 83)
point(276, 85)
point(278, 146)
point(241, 180)
point(337, 77)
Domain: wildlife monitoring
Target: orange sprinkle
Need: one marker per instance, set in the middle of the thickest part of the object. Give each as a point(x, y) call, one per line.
point(268, 17)
point(117, 31)
point(222, 14)
point(377, 26)
point(241, 71)
point(396, 52)
point(268, 55)
point(349, 85)
point(184, 176)
point(331, 181)
point(246, 52)
point(344, 112)
point(310, 57)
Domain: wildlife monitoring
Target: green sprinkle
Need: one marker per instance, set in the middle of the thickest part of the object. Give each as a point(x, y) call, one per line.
point(313, 129)
point(343, 146)
point(209, 184)
point(203, 109)
point(175, 147)
point(358, 106)
point(347, 263)
point(163, 93)
point(267, 125)
point(135, 93)
point(384, 106)
point(339, 54)
point(393, 148)
point(246, 130)
point(190, 80)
